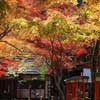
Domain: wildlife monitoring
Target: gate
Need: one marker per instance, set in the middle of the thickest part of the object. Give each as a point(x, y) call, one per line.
point(76, 88)
point(97, 86)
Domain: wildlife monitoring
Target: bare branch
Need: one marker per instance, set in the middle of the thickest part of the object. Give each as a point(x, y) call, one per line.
point(11, 45)
point(5, 32)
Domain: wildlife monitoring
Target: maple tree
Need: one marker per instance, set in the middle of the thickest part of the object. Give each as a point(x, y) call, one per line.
point(50, 39)
point(54, 28)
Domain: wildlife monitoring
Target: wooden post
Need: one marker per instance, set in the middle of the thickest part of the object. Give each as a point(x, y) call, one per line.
point(52, 97)
point(41, 97)
point(93, 67)
point(29, 98)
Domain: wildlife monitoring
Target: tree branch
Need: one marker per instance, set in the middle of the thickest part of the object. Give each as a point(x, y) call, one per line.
point(11, 45)
point(5, 32)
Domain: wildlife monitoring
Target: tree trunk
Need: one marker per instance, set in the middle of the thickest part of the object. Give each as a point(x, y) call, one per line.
point(93, 67)
point(59, 88)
